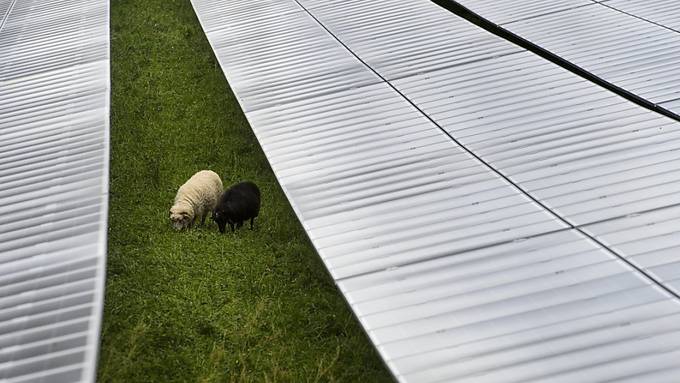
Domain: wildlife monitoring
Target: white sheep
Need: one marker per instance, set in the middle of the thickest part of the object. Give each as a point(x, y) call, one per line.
point(196, 198)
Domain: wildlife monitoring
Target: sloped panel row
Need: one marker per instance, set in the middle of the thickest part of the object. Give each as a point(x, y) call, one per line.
point(221, 14)
point(406, 38)
point(632, 53)
point(554, 308)
point(651, 239)
point(584, 152)
point(454, 272)
point(377, 185)
point(662, 12)
point(509, 11)
point(672, 105)
point(54, 108)
point(281, 57)
point(581, 150)
point(4, 9)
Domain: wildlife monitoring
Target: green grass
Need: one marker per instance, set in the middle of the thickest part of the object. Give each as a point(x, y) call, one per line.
point(198, 306)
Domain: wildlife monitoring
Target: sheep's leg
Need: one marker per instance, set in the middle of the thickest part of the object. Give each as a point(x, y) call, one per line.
point(252, 219)
point(205, 214)
point(231, 225)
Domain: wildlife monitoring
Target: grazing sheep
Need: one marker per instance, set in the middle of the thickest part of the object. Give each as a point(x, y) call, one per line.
point(195, 199)
point(238, 203)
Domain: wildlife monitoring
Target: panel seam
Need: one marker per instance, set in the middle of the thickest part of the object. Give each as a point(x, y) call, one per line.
point(639, 17)
point(467, 14)
point(6, 16)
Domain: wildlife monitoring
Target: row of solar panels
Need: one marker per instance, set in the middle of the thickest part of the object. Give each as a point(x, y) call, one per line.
point(489, 216)
point(634, 44)
point(54, 118)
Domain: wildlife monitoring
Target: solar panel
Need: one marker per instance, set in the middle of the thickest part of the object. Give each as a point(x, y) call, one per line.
point(665, 13)
point(638, 51)
point(439, 172)
point(54, 108)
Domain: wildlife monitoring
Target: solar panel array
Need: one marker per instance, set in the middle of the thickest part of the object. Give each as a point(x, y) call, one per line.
point(487, 214)
point(54, 110)
point(633, 44)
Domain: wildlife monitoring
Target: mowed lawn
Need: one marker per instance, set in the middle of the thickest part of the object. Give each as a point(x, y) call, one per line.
point(198, 306)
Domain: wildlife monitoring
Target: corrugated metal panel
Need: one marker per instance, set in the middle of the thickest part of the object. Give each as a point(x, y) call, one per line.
point(650, 240)
point(220, 15)
point(288, 65)
point(412, 37)
point(4, 8)
point(636, 55)
point(672, 105)
point(578, 148)
point(54, 107)
point(584, 152)
point(376, 185)
point(508, 11)
point(554, 308)
point(662, 12)
point(453, 271)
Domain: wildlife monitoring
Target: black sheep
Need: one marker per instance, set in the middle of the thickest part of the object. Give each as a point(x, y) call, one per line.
point(238, 203)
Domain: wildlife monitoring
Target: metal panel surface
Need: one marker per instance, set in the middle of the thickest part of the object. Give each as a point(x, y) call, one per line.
point(275, 58)
point(662, 12)
point(578, 148)
point(551, 308)
point(218, 15)
point(376, 185)
point(649, 240)
point(582, 151)
point(508, 11)
point(641, 57)
point(453, 271)
point(54, 109)
point(4, 9)
point(401, 38)
point(672, 105)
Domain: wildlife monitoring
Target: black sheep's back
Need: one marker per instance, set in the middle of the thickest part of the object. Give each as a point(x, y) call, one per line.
point(243, 201)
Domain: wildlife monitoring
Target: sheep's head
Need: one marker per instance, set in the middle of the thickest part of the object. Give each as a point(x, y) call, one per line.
point(222, 216)
point(180, 217)
point(220, 219)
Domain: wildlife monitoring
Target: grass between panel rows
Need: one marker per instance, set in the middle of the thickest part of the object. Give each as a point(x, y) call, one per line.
point(200, 306)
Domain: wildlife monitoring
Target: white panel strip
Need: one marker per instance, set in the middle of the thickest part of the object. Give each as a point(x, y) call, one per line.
point(54, 111)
